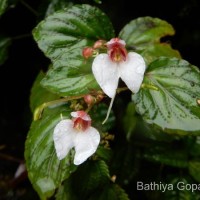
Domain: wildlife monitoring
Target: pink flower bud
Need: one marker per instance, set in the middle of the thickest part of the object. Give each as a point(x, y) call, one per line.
point(87, 52)
point(99, 44)
point(89, 99)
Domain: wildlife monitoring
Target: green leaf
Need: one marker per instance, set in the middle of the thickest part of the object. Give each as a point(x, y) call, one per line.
point(125, 162)
point(151, 52)
point(3, 6)
point(66, 191)
point(143, 35)
point(110, 191)
point(104, 153)
point(144, 30)
point(62, 36)
point(97, 1)
point(169, 96)
point(66, 80)
point(91, 176)
point(129, 120)
point(182, 190)
point(40, 95)
point(194, 170)
point(45, 171)
point(167, 154)
point(56, 5)
point(194, 146)
point(98, 114)
point(144, 130)
point(4, 44)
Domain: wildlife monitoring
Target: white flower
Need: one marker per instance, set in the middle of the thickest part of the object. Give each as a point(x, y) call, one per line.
point(108, 68)
point(76, 133)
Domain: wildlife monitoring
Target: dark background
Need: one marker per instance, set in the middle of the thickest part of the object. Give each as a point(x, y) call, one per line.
point(26, 60)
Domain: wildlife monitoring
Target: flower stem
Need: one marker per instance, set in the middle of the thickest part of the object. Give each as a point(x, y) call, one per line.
point(109, 109)
point(152, 87)
point(29, 7)
point(121, 89)
point(19, 37)
point(39, 110)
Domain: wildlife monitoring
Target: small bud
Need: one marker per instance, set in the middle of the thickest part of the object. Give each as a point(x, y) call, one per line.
point(100, 96)
point(99, 44)
point(87, 52)
point(89, 99)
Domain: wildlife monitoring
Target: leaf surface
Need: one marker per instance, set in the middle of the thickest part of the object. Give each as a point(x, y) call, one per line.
point(62, 37)
point(144, 35)
point(45, 171)
point(170, 96)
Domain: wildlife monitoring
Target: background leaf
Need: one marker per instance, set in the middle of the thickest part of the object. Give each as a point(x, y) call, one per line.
point(45, 171)
point(173, 106)
point(40, 95)
point(194, 146)
point(129, 120)
point(66, 192)
point(55, 5)
point(167, 153)
point(181, 193)
point(143, 36)
point(3, 6)
point(98, 114)
point(90, 177)
point(194, 169)
point(4, 44)
point(110, 191)
point(93, 174)
point(62, 36)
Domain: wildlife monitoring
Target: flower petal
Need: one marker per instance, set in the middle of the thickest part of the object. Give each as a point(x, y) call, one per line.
point(86, 144)
point(63, 136)
point(132, 71)
point(82, 114)
point(106, 74)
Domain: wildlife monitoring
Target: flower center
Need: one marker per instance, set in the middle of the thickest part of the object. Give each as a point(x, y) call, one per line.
point(81, 120)
point(116, 50)
point(80, 124)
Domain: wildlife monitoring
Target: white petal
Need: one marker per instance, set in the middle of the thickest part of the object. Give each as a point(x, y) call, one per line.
point(20, 170)
point(86, 144)
point(82, 114)
point(132, 71)
point(106, 73)
point(63, 137)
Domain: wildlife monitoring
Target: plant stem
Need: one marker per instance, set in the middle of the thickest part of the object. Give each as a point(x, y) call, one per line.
point(19, 37)
point(39, 110)
point(152, 87)
point(10, 158)
point(29, 7)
